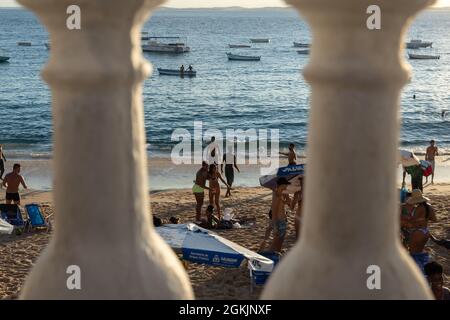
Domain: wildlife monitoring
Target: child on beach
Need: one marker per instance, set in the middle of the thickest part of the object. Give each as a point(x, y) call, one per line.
point(279, 218)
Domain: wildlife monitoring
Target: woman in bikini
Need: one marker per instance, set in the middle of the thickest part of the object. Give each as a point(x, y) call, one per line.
point(214, 186)
point(416, 213)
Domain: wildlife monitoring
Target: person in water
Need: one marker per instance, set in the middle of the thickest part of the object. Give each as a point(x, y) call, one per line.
point(214, 193)
point(199, 189)
point(292, 156)
point(229, 159)
point(416, 213)
point(12, 181)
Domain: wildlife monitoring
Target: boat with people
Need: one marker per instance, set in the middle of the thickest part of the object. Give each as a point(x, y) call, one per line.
point(423, 56)
point(260, 40)
point(166, 45)
point(417, 44)
point(306, 51)
point(239, 46)
point(177, 72)
point(301, 45)
point(238, 57)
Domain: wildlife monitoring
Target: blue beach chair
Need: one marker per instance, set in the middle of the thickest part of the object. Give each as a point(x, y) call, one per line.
point(36, 218)
point(11, 213)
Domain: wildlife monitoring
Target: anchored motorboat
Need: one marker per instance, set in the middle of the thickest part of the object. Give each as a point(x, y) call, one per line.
point(423, 56)
point(238, 57)
point(177, 72)
point(160, 44)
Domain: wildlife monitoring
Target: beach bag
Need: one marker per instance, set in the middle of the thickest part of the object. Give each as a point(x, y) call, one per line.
point(5, 227)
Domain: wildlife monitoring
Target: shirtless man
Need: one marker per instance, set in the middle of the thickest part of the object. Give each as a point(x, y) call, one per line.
point(292, 156)
point(199, 189)
point(12, 182)
point(298, 200)
point(432, 152)
point(279, 219)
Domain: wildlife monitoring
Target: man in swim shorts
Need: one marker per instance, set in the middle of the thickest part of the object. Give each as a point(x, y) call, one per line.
point(12, 181)
point(431, 153)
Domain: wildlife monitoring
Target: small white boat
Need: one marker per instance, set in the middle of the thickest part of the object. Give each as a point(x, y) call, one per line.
point(3, 59)
point(238, 57)
point(306, 51)
point(24, 44)
point(156, 44)
point(301, 45)
point(416, 44)
point(260, 40)
point(423, 56)
point(177, 72)
point(239, 46)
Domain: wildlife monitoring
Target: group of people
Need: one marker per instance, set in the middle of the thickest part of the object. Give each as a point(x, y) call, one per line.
point(416, 172)
point(11, 181)
point(183, 69)
point(209, 172)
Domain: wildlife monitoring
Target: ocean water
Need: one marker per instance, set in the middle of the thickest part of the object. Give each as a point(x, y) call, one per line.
point(270, 94)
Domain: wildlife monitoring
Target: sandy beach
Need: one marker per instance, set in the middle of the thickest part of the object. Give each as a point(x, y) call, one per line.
point(18, 253)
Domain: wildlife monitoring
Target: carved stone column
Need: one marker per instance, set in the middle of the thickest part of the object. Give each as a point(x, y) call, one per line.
point(351, 217)
point(102, 221)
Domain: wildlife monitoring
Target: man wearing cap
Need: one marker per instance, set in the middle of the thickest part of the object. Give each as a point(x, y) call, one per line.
point(279, 219)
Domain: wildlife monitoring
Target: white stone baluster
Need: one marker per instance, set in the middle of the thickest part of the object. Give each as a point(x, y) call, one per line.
point(102, 220)
point(351, 217)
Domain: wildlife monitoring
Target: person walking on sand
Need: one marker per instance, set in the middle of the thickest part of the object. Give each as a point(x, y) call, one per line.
point(214, 186)
point(279, 219)
point(199, 190)
point(292, 156)
point(2, 162)
point(431, 153)
point(12, 181)
point(213, 150)
point(229, 159)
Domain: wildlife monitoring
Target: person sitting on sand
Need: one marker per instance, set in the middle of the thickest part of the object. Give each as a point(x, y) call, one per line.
point(279, 219)
point(199, 189)
point(431, 153)
point(292, 156)
point(229, 159)
point(214, 193)
point(298, 200)
point(2, 162)
point(12, 181)
point(415, 215)
point(435, 277)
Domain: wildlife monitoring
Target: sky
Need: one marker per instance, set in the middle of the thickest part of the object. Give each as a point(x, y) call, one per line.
point(219, 3)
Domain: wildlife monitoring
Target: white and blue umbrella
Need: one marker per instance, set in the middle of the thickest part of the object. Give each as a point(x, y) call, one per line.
point(199, 245)
point(288, 172)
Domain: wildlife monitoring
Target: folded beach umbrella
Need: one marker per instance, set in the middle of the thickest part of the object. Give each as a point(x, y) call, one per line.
point(199, 245)
point(289, 172)
point(408, 158)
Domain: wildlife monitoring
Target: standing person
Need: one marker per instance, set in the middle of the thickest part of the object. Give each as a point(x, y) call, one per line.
point(435, 276)
point(431, 153)
point(292, 156)
point(229, 158)
point(298, 200)
point(182, 69)
point(279, 219)
point(213, 151)
point(199, 190)
point(12, 181)
point(2, 162)
point(416, 173)
point(190, 67)
point(214, 186)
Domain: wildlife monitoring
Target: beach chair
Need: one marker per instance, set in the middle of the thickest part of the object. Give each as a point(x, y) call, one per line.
point(36, 219)
point(12, 214)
